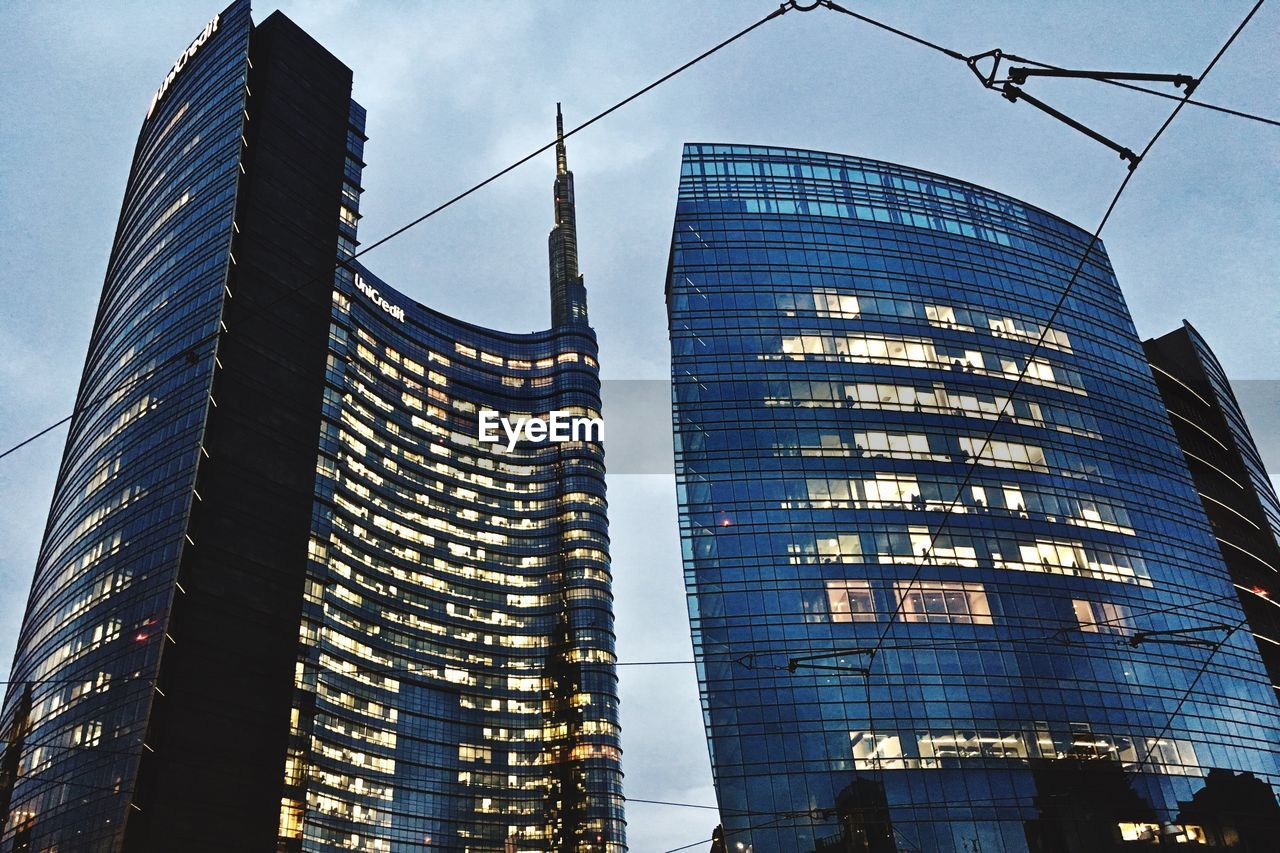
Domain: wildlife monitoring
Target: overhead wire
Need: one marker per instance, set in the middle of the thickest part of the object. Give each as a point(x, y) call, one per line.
point(1088, 250)
point(955, 54)
point(1173, 715)
point(1039, 342)
point(1156, 92)
point(187, 350)
point(1054, 313)
point(747, 660)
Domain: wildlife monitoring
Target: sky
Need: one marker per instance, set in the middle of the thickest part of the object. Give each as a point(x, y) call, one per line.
point(456, 91)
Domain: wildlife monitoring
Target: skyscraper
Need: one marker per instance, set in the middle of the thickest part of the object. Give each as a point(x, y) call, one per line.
point(289, 598)
point(1028, 672)
point(1233, 485)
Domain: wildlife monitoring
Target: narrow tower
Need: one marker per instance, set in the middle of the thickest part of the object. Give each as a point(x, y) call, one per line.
point(568, 293)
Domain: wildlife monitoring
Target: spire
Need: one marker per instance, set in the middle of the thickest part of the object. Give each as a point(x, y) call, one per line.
point(562, 160)
point(568, 293)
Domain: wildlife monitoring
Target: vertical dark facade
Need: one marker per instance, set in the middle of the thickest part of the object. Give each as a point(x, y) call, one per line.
point(234, 619)
point(844, 334)
point(1234, 489)
point(287, 600)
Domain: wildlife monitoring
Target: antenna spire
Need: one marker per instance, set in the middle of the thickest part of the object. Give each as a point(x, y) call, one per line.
point(568, 293)
point(562, 159)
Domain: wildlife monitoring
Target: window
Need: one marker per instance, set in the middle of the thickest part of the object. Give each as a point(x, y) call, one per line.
point(941, 549)
point(835, 304)
point(936, 747)
point(1101, 617)
point(890, 489)
point(1171, 833)
point(943, 315)
point(872, 750)
point(1004, 454)
point(851, 601)
point(943, 601)
point(834, 547)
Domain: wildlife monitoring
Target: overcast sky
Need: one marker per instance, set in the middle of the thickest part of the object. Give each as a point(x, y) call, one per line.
point(455, 91)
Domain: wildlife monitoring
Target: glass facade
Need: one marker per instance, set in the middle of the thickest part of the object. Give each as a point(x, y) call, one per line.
point(455, 685)
point(81, 687)
point(404, 643)
point(1233, 485)
point(844, 334)
point(455, 681)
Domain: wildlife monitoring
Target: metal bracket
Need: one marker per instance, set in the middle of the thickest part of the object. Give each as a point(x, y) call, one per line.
point(988, 80)
point(1020, 75)
point(792, 666)
point(804, 662)
point(1008, 87)
point(1178, 635)
point(1013, 94)
point(793, 4)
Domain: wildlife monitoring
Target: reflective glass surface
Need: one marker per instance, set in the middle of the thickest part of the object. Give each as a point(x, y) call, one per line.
point(94, 628)
point(455, 688)
point(844, 334)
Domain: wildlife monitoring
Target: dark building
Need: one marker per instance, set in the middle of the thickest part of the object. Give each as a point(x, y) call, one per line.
point(1235, 491)
point(288, 599)
point(845, 333)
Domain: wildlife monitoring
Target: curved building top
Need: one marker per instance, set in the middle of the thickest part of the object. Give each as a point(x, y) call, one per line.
point(927, 181)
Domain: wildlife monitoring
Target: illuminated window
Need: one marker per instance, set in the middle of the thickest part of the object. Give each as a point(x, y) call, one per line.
point(832, 547)
point(1171, 833)
point(1101, 617)
point(890, 489)
point(882, 751)
point(935, 747)
point(1005, 454)
point(940, 549)
point(835, 304)
point(851, 601)
point(942, 601)
point(941, 314)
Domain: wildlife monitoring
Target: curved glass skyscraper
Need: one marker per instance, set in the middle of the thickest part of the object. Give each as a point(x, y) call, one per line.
point(82, 686)
point(455, 681)
point(1063, 670)
point(290, 596)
